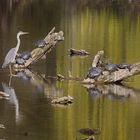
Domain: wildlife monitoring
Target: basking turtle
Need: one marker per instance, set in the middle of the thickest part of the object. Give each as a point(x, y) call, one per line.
point(94, 72)
point(25, 55)
point(20, 61)
point(111, 67)
point(124, 66)
point(40, 43)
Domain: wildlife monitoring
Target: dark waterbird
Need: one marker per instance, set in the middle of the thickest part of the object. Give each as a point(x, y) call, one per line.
point(11, 55)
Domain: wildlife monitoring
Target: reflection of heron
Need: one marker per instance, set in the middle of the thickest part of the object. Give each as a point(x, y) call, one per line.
point(11, 55)
point(12, 99)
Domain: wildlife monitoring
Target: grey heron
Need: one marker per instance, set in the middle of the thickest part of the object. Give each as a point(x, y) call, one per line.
point(11, 55)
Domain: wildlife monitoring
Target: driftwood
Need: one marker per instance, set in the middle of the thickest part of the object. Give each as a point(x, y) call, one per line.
point(51, 40)
point(63, 100)
point(78, 52)
point(112, 77)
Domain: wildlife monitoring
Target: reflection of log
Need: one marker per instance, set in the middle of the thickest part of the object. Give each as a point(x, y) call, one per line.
point(40, 83)
point(113, 90)
point(112, 77)
point(89, 131)
point(51, 39)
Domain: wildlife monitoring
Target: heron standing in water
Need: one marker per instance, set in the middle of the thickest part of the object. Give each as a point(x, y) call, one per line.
point(11, 55)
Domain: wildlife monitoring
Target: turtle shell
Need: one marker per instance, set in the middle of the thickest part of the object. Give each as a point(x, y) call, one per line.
point(20, 61)
point(94, 72)
point(111, 67)
point(40, 43)
point(25, 55)
point(123, 66)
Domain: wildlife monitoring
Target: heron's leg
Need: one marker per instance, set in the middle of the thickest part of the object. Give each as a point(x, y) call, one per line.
point(10, 70)
point(11, 74)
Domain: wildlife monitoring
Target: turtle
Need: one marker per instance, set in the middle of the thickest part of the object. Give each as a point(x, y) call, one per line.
point(25, 55)
point(111, 67)
point(94, 72)
point(20, 61)
point(124, 66)
point(40, 43)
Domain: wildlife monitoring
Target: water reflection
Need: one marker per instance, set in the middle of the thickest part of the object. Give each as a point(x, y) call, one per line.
point(12, 100)
point(91, 117)
point(40, 83)
point(111, 91)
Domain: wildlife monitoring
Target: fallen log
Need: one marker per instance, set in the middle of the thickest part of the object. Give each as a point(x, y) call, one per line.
point(116, 76)
point(50, 41)
point(78, 52)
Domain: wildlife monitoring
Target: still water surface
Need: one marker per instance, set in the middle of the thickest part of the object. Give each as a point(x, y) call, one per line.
point(28, 114)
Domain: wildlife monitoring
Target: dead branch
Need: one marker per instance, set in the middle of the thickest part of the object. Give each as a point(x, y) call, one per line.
point(51, 40)
point(112, 77)
point(78, 52)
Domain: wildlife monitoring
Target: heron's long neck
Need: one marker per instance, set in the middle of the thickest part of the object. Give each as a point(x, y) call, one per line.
point(18, 43)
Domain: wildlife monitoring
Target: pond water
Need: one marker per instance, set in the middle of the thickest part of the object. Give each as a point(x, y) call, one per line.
point(92, 26)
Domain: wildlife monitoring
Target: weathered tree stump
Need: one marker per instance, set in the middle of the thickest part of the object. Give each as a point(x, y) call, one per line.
point(51, 40)
point(111, 77)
